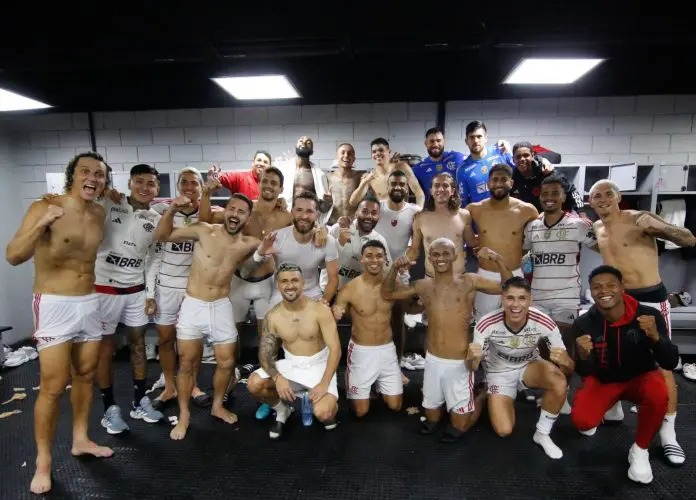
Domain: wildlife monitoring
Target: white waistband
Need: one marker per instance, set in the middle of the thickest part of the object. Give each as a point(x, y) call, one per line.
point(306, 361)
point(360, 347)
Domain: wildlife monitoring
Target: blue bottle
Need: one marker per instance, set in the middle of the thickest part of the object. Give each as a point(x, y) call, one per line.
point(307, 413)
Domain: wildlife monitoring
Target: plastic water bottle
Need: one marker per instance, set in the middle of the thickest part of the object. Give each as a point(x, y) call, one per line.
point(307, 413)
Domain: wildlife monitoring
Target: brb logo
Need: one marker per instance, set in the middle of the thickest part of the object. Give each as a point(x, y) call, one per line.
point(549, 258)
point(119, 261)
point(182, 247)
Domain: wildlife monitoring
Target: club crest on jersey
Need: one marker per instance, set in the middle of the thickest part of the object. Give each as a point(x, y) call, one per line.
point(484, 170)
point(148, 227)
point(438, 168)
point(562, 234)
point(394, 222)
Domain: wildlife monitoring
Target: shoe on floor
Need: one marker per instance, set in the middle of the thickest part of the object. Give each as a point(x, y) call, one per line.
point(159, 384)
point(674, 454)
point(263, 411)
point(276, 430)
point(615, 414)
point(689, 371)
point(145, 411)
point(113, 420)
point(639, 470)
point(588, 432)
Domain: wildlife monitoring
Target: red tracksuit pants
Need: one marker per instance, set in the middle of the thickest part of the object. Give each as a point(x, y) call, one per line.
point(648, 391)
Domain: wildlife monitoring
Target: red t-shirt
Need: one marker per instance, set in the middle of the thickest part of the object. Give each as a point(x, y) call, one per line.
point(241, 182)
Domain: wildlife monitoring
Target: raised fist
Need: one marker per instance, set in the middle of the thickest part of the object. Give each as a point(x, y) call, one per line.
point(52, 213)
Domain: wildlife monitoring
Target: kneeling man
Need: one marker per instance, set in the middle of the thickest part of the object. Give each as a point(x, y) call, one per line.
point(506, 340)
point(620, 346)
point(309, 336)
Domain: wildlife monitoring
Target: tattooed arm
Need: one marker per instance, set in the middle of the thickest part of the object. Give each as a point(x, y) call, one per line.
point(268, 347)
point(654, 225)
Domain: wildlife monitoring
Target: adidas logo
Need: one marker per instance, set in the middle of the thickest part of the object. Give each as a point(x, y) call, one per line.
point(117, 220)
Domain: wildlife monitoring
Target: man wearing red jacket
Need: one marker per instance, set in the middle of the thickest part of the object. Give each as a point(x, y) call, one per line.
point(247, 182)
point(620, 345)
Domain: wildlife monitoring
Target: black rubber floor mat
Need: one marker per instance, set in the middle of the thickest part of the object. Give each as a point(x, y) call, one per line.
point(381, 456)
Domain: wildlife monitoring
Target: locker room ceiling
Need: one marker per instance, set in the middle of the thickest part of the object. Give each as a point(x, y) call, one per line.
point(155, 56)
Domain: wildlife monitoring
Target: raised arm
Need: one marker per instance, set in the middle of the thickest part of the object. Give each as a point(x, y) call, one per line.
point(413, 250)
point(390, 290)
point(37, 220)
point(205, 209)
point(165, 229)
point(489, 286)
point(413, 183)
point(360, 192)
point(329, 332)
point(654, 225)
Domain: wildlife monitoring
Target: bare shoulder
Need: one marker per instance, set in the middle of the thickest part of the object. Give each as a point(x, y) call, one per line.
point(98, 210)
point(321, 310)
point(522, 206)
point(464, 214)
point(271, 315)
point(475, 206)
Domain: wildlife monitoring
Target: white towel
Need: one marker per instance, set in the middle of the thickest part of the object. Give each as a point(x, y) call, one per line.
point(673, 212)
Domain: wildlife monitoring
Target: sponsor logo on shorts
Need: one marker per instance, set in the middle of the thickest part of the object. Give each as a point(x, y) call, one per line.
point(128, 243)
point(461, 410)
point(494, 389)
point(119, 261)
point(353, 389)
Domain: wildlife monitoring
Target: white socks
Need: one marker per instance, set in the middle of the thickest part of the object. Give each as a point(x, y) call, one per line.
point(541, 436)
point(615, 413)
point(550, 448)
point(566, 409)
point(667, 433)
point(283, 411)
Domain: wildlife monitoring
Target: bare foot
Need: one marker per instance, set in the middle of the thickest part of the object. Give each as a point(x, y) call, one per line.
point(404, 379)
point(179, 431)
point(90, 448)
point(224, 415)
point(41, 482)
point(166, 396)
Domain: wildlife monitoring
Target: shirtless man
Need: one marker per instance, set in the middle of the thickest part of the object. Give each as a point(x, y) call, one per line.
point(343, 181)
point(63, 234)
point(309, 336)
point(371, 351)
point(447, 298)
point(376, 179)
point(441, 217)
point(626, 241)
point(500, 221)
point(206, 309)
point(506, 340)
point(307, 177)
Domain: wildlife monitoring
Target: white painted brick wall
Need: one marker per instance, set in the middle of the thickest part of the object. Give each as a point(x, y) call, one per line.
point(617, 129)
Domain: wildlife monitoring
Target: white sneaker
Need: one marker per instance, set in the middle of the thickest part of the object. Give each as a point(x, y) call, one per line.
point(615, 413)
point(159, 384)
point(16, 358)
point(689, 371)
point(411, 320)
point(566, 409)
point(640, 470)
point(29, 351)
point(589, 432)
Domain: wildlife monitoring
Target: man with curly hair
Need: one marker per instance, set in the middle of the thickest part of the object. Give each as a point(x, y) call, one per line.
point(62, 234)
point(441, 217)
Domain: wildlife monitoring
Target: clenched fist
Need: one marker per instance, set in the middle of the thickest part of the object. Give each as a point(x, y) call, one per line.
point(53, 212)
point(559, 356)
point(150, 307)
point(584, 344)
point(649, 326)
point(180, 202)
point(649, 223)
point(474, 354)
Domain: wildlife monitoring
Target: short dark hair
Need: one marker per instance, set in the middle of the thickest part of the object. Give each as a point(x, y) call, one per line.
point(516, 282)
point(275, 171)
point(265, 153)
point(287, 267)
point(523, 144)
point(373, 244)
point(475, 125)
point(605, 269)
point(243, 197)
point(552, 179)
point(397, 173)
point(306, 195)
point(498, 167)
point(379, 140)
point(72, 164)
point(143, 168)
point(434, 130)
point(369, 198)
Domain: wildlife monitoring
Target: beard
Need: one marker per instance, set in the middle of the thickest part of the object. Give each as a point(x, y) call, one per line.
point(304, 152)
point(502, 196)
point(366, 225)
point(435, 152)
point(302, 230)
point(396, 196)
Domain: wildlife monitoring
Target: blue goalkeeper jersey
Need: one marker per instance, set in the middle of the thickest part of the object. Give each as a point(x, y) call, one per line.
point(426, 169)
point(472, 175)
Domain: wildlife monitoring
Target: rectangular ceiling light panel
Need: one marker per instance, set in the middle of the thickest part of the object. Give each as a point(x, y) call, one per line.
point(9, 101)
point(258, 87)
point(550, 71)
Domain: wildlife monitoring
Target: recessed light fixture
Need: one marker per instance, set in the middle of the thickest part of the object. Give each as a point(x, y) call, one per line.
point(550, 71)
point(9, 101)
point(258, 87)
